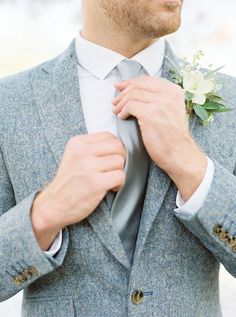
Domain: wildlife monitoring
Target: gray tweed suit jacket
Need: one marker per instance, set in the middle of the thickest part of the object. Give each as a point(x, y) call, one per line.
point(176, 262)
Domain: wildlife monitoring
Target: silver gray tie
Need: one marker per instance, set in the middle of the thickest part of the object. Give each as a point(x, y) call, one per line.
point(126, 205)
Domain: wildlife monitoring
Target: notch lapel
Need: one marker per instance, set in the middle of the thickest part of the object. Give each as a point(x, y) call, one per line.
point(158, 181)
point(57, 94)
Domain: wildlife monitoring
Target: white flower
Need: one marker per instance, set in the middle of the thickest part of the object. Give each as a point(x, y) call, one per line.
point(196, 84)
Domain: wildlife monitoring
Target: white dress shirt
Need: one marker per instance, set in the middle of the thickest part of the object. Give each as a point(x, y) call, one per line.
point(97, 75)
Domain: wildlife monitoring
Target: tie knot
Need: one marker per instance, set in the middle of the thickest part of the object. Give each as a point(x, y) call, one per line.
point(128, 69)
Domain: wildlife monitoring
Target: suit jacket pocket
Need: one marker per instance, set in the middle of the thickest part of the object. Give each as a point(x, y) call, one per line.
point(44, 307)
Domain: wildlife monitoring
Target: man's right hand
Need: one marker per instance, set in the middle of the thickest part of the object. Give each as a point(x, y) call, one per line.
point(92, 165)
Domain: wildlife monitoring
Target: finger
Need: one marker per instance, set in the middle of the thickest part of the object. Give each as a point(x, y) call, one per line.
point(113, 179)
point(110, 163)
point(109, 147)
point(131, 80)
point(133, 108)
point(135, 95)
point(134, 86)
point(147, 83)
point(131, 89)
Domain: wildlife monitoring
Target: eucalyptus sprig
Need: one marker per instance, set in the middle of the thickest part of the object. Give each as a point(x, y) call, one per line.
point(200, 87)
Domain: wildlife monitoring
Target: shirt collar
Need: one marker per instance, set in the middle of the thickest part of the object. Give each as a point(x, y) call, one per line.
point(100, 61)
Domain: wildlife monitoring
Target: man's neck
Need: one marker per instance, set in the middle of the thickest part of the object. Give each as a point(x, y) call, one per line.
point(116, 42)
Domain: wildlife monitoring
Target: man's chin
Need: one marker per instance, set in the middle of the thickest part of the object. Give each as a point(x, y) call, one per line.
point(163, 29)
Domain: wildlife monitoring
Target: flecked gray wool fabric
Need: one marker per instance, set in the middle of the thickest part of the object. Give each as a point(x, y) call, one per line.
point(176, 260)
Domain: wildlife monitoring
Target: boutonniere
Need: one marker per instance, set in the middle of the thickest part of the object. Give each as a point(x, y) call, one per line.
point(200, 87)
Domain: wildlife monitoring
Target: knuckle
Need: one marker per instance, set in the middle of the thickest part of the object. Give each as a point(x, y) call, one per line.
point(129, 104)
point(131, 87)
point(118, 143)
point(103, 183)
point(126, 108)
point(74, 148)
point(133, 94)
point(123, 150)
point(121, 176)
point(120, 160)
point(73, 142)
point(89, 150)
point(101, 193)
point(98, 183)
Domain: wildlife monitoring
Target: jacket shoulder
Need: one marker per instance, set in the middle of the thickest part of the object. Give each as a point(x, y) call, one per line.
point(16, 94)
point(18, 83)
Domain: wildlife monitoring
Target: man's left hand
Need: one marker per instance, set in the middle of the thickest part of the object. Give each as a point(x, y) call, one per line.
point(159, 106)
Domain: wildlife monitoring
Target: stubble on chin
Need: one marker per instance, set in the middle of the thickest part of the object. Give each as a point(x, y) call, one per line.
point(140, 21)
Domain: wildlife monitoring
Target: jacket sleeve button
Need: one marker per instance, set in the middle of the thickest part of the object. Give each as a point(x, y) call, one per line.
point(224, 236)
point(31, 271)
point(217, 230)
point(234, 248)
point(19, 279)
point(231, 241)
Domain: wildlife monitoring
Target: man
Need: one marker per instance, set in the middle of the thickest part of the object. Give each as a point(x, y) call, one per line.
point(96, 152)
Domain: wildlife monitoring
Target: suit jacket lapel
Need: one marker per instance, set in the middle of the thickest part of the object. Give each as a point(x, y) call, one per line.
point(158, 181)
point(57, 94)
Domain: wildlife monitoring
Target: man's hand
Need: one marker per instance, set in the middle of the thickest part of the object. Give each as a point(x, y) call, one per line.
point(91, 165)
point(159, 107)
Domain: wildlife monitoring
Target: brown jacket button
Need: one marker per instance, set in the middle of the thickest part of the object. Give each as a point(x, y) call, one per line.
point(234, 248)
point(217, 230)
point(224, 235)
point(31, 271)
point(19, 279)
point(231, 241)
point(137, 297)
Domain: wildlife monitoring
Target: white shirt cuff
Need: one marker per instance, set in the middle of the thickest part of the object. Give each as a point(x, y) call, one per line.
point(188, 209)
point(55, 246)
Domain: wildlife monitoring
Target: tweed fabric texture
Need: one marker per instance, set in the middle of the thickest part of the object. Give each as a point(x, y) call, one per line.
point(176, 259)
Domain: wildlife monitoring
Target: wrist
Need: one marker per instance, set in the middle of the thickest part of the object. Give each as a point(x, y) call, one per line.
point(188, 170)
point(44, 221)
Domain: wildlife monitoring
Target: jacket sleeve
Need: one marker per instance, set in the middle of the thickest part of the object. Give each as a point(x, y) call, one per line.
point(215, 222)
point(21, 259)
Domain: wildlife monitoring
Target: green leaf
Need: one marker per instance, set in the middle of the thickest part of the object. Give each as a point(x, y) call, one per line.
point(214, 99)
point(188, 95)
point(214, 94)
point(212, 106)
point(216, 107)
point(200, 112)
point(223, 109)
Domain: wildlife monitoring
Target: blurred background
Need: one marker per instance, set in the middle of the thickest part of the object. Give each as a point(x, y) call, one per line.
point(32, 31)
